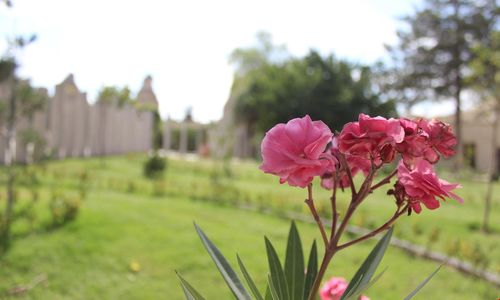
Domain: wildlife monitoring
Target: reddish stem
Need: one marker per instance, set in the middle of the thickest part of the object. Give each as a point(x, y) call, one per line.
point(385, 226)
point(309, 201)
point(386, 180)
point(343, 163)
point(335, 214)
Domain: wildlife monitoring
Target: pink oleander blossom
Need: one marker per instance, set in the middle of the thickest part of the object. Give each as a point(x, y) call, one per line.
point(334, 288)
point(295, 151)
point(421, 185)
point(356, 164)
point(441, 137)
point(371, 138)
point(415, 144)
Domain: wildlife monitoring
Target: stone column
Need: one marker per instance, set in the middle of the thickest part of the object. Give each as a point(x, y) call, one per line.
point(167, 135)
point(183, 140)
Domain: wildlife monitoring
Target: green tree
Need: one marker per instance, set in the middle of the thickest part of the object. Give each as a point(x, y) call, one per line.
point(434, 52)
point(326, 89)
point(115, 95)
point(485, 78)
point(22, 101)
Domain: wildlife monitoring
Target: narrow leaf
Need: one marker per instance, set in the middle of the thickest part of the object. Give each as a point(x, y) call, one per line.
point(365, 272)
point(269, 296)
point(294, 264)
point(225, 269)
point(189, 291)
point(312, 270)
point(369, 285)
point(422, 284)
point(272, 290)
point(249, 280)
point(278, 280)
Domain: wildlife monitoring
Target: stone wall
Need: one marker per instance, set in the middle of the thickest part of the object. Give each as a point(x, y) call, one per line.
point(71, 127)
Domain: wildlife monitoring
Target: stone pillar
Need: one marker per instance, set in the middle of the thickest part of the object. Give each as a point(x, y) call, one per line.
point(199, 139)
point(167, 135)
point(183, 140)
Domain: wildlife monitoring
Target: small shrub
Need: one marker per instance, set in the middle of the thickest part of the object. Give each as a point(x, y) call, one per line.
point(63, 209)
point(453, 248)
point(155, 167)
point(433, 236)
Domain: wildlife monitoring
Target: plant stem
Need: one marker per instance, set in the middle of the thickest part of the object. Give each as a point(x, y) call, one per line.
point(385, 226)
point(335, 214)
point(324, 265)
point(343, 163)
point(309, 201)
point(386, 180)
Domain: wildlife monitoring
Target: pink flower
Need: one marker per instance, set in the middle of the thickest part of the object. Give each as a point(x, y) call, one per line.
point(415, 144)
point(334, 288)
point(441, 137)
point(295, 151)
point(356, 164)
point(371, 138)
point(425, 139)
point(421, 185)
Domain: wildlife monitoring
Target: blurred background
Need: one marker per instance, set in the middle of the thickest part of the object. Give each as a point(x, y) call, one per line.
point(122, 122)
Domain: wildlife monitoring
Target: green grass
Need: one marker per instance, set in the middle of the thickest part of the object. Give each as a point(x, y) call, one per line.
point(89, 258)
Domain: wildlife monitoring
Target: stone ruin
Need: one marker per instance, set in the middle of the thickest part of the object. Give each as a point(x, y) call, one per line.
point(71, 127)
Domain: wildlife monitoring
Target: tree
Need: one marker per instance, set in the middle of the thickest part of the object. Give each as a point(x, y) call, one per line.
point(434, 53)
point(21, 101)
point(115, 95)
point(327, 89)
point(485, 78)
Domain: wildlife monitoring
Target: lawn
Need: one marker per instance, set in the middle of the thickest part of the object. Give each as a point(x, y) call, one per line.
point(125, 219)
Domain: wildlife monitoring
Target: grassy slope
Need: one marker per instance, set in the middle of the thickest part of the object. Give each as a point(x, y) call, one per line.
point(89, 258)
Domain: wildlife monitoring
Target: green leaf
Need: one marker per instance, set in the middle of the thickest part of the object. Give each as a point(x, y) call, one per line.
point(269, 296)
point(367, 269)
point(272, 290)
point(278, 281)
point(294, 264)
point(189, 291)
point(370, 284)
point(225, 269)
point(422, 284)
point(312, 270)
point(249, 280)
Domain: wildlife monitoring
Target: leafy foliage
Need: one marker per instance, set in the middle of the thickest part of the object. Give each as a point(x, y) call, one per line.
point(115, 95)
point(331, 90)
point(155, 167)
point(290, 282)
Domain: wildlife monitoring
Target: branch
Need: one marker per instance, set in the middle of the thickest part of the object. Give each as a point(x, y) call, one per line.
point(309, 201)
point(333, 200)
point(386, 180)
point(343, 163)
point(385, 226)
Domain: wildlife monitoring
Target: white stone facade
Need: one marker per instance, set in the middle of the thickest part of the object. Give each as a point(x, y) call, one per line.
point(71, 127)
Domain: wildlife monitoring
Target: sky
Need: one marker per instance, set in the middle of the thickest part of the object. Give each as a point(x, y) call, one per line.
point(185, 45)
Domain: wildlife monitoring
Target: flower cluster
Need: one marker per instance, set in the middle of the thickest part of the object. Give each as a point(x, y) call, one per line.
point(334, 288)
point(303, 149)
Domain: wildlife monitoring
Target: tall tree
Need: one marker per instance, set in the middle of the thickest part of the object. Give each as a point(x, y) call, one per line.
point(434, 52)
point(485, 78)
point(18, 101)
point(325, 88)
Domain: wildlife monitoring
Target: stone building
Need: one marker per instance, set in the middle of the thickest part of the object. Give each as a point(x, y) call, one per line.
point(477, 127)
point(185, 137)
point(231, 137)
point(71, 127)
